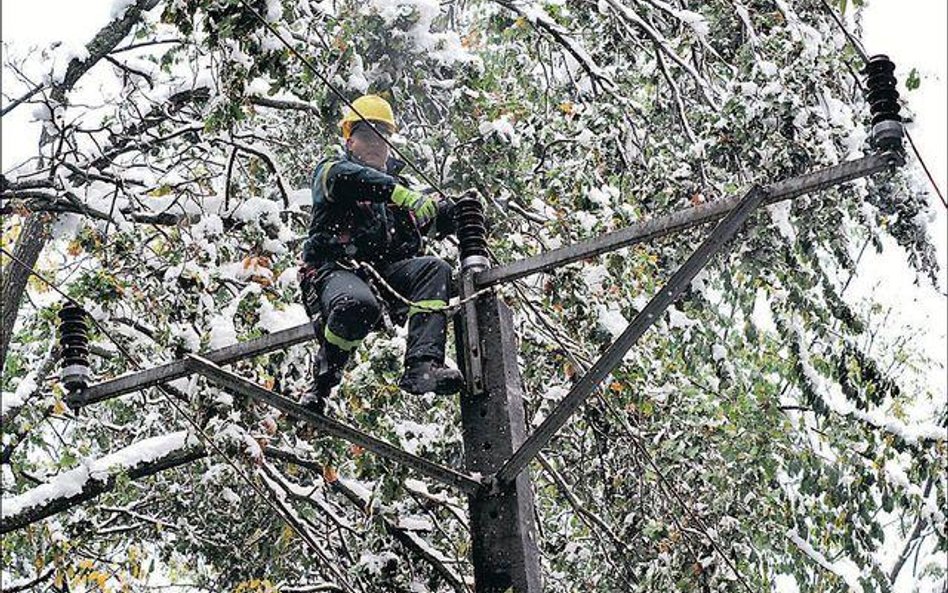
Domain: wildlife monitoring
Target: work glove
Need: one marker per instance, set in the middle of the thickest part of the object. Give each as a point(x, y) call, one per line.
point(424, 207)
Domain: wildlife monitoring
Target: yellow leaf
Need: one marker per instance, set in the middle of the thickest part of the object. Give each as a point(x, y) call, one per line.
point(59, 407)
point(37, 284)
point(100, 579)
point(74, 248)
point(286, 534)
point(566, 107)
point(161, 190)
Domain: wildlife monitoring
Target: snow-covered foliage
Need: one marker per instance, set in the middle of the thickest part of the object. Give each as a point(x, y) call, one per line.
point(770, 432)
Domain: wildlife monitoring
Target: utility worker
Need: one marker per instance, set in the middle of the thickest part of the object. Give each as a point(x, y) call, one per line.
point(364, 215)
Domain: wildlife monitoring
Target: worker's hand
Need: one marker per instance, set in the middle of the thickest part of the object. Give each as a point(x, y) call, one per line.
point(424, 207)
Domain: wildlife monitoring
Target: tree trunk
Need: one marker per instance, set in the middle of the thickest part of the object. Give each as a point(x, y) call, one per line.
point(32, 239)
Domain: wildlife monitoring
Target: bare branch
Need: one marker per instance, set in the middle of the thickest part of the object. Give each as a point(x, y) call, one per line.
point(267, 158)
point(29, 584)
point(631, 17)
point(542, 21)
point(20, 100)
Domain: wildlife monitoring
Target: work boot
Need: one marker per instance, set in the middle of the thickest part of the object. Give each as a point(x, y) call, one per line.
point(314, 399)
point(327, 373)
point(427, 375)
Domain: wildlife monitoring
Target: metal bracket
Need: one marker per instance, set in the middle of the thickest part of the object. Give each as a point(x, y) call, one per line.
point(472, 340)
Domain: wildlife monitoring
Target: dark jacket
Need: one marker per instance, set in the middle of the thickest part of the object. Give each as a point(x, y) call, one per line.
point(354, 218)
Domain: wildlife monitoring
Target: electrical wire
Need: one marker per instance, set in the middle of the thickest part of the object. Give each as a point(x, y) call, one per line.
point(339, 94)
point(171, 398)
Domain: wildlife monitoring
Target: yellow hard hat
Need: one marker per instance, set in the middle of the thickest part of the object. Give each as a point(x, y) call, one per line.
point(371, 107)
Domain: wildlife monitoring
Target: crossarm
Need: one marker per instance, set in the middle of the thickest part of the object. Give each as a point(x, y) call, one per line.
point(181, 368)
point(684, 219)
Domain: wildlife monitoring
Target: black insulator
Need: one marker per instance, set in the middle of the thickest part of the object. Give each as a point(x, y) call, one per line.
point(74, 344)
point(471, 230)
point(883, 99)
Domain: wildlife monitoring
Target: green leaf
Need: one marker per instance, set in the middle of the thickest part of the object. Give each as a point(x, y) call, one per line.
point(913, 81)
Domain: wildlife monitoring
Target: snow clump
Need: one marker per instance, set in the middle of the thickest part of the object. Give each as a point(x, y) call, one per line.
point(502, 128)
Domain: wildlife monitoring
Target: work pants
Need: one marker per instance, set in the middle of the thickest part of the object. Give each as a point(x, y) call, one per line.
point(350, 309)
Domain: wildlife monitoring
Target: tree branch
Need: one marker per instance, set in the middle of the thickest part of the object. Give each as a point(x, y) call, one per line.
point(100, 46)
point(284, 104)
point(86, 482)
point(540, 20)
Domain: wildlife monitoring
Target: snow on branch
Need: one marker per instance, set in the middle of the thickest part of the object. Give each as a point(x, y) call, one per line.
point(541, 20)
point(399, 528)
point(275, 103)
point(87, 481)
point(104, 42)
point(844, 569)
point(838, 403)
point(663, 44)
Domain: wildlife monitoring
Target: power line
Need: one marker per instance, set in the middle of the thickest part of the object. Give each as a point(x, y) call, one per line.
point(342, 97)
point(928, 173)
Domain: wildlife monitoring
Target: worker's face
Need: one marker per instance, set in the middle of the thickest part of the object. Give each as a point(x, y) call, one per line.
point(369, 148)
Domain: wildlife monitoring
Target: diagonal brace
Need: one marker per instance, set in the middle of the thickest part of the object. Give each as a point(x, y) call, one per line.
point(241, 386)
point(642, 322)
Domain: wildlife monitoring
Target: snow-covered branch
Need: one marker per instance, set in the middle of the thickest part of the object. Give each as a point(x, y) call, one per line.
point(90, 479)
point(542, 21)
point(707, 91)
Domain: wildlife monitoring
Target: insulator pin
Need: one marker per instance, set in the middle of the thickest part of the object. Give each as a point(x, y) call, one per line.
point(883, 99)
point(74, 344)
point(472, 232)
